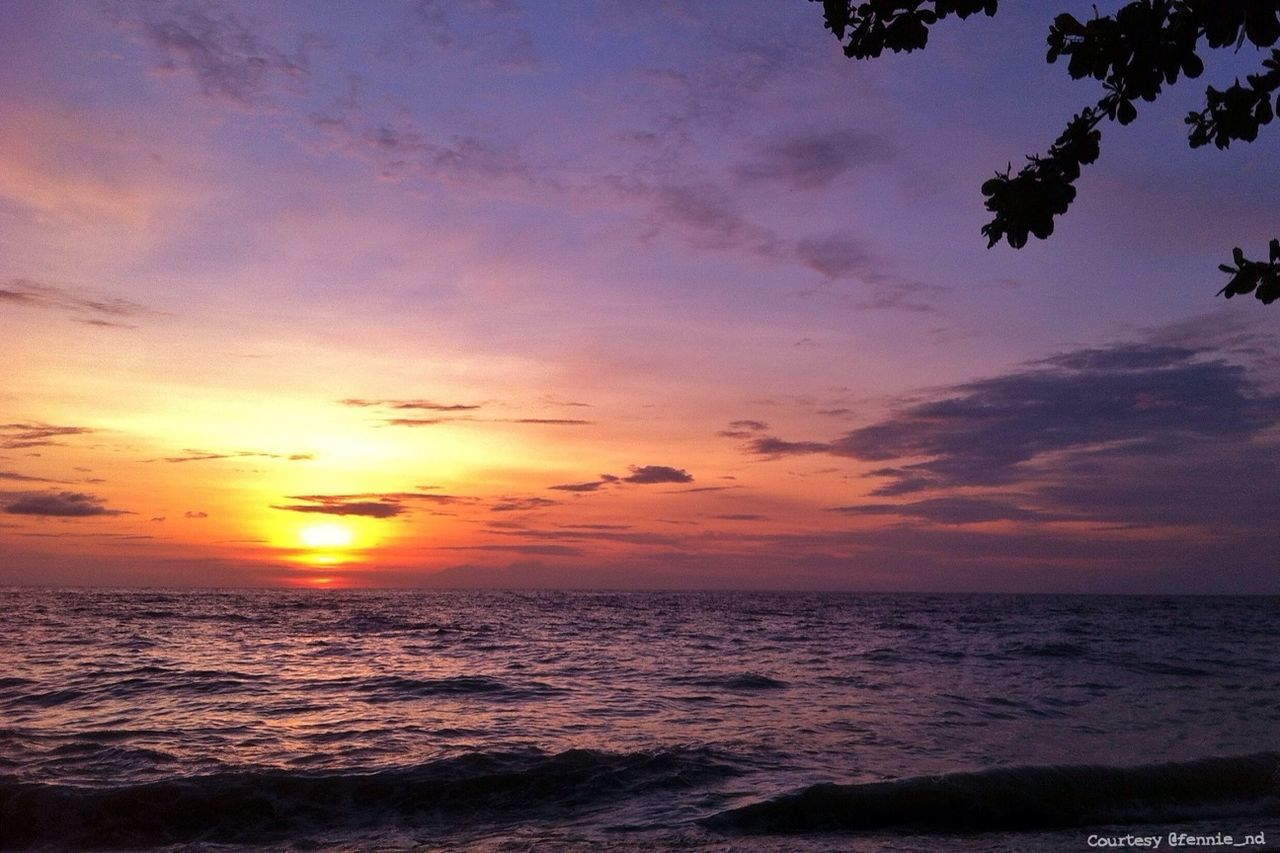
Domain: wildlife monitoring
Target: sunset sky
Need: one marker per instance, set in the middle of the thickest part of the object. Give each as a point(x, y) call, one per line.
point(668, 294)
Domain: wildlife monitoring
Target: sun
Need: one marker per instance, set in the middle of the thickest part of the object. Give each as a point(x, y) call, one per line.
point(326, 535)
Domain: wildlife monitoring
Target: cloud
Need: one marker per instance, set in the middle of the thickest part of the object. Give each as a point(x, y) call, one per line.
point(417, 422)
point(549, 421)
point(743, 429)
point(538, 550)
point(205, 456)
point(107, 324)
point(369, 504)
point(1148, 398)
point(429, 405)
point(647, 474)
point(368, 509)
point(591, 486)
point(641, 475)
point(956, 510)
point(195, 514)
point(24, 478)
point(1132, 434)
point(812, 161)
point(400, 150)
point(584, 533)
point(704, 215)
point(227, 59)
point(521, 504)
point(60, 504)
point(24, 292)
point(489, 29)
point(740, 516)
point(31, 434)
point(707, 217)
point(701, 489)
point(772, 446)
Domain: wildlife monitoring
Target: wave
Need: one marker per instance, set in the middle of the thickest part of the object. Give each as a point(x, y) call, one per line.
point(1025, 798)
point(269, 806)
point(397, 688)
point(740, 681)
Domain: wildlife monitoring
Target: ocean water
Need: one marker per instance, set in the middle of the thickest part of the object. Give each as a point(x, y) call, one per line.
point(633, 721)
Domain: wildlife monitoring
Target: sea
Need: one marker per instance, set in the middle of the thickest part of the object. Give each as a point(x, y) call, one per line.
point(619, 721)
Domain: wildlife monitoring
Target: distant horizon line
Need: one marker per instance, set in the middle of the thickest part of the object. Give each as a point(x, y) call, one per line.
point(630, 590)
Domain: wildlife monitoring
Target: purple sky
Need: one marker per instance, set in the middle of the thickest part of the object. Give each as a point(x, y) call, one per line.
point(611, 294)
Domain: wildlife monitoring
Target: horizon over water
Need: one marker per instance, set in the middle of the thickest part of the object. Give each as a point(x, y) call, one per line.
point(511, 720)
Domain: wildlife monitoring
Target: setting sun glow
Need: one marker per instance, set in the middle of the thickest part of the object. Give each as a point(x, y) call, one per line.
point(326, 535)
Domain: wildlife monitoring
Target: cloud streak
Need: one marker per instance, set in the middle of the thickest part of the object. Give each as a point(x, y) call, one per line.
point(227, 59)
point(368, 504)
point(60, 505)
point(812, 161)
point(428, 405)
point(206, 456)
point(26, 293)
point(33, 434)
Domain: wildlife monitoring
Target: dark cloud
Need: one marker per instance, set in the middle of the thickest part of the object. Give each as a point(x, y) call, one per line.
point(743, 429)
point(648, 474)
point(369, 509)
point(772, 446)
point(740, 516)
point(60, 504)
point(1147, 398)
point(979, 433)
point(902, 481)
point(521, 504)
point(814, 160)
point(369, 504)
point(537, 550)
point(24, 478)
point(1130, 435)
point(590, 486)
point(229, 61)
point(33, 294)
point(955, 510)
point(845, 256)
point(19, 435)
point(549, 421)
point(195, 514)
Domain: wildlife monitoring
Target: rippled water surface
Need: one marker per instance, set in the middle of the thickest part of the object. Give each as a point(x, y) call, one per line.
point(534, 720)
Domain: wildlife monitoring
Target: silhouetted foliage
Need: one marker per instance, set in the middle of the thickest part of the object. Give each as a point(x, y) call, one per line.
point(1134, 54)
